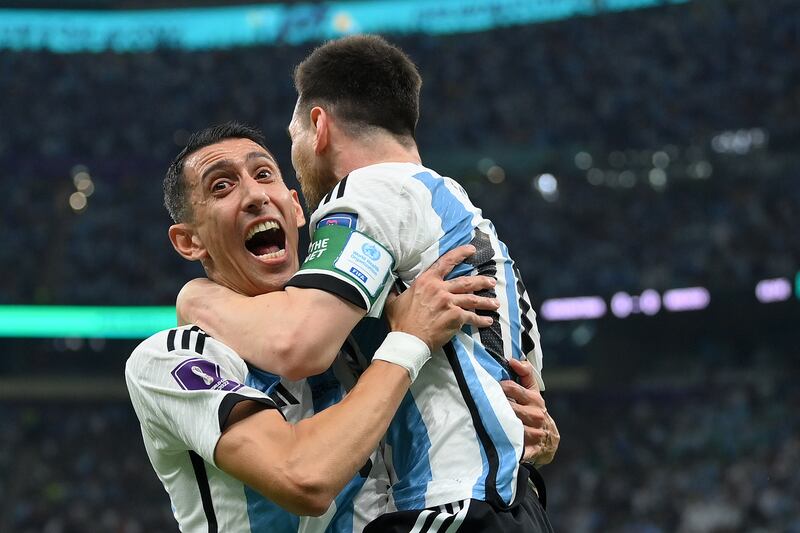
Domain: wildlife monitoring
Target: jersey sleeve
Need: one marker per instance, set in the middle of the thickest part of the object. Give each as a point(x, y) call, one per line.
point(379, 207)
point(182, 397)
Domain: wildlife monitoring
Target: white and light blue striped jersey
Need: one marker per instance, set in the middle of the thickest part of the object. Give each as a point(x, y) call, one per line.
point(455, 435)
point(183, 384)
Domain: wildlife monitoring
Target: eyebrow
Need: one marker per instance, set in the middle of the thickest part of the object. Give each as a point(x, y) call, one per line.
point(226, 163)
point(258, 155)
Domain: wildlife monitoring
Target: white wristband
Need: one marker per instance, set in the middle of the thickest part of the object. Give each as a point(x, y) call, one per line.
point(405, 350)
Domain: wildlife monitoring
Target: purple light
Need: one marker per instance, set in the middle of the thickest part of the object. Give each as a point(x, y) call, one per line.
point(582, 307)
point(688, 299)
point(621, 304)
point(650, 302)
point(773, 290)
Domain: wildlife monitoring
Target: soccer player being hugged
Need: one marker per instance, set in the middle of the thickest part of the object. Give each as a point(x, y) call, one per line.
point(244, 450)
point(454, 448)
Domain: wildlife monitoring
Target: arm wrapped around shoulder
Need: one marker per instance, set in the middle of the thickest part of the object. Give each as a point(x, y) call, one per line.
point(350, 265)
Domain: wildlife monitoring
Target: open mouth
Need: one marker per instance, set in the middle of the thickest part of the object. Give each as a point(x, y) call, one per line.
point(266, 240)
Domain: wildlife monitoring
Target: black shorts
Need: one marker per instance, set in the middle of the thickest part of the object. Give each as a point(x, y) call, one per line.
point(525, 515)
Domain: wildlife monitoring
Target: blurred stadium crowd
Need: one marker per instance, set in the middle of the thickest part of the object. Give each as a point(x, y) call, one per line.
point(719, 457)
point(600, 148)
point(645, 106)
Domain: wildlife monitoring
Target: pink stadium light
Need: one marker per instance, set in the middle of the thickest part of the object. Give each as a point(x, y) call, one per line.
point(773, 290)
point(624, 304)
point(687, 299)
point(650, 302)
point(582, 307)
point(621, 304)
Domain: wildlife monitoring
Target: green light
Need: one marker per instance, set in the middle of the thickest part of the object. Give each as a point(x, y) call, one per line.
point(797, 285)
point(87, 322)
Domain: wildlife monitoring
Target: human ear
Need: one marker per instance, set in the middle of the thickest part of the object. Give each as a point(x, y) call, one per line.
point(321, 126)
point(186, 242)
point(300, 217)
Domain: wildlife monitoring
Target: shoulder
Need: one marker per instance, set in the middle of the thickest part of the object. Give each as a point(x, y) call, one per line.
point(154, 345)
point(168, 347)
point(417, 183)
point(373, 189)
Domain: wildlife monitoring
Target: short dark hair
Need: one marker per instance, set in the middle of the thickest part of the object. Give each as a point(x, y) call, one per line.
point(366, 80)
point(175, 183)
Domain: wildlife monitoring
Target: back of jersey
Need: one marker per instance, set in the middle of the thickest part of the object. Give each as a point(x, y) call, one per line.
point(455, 435)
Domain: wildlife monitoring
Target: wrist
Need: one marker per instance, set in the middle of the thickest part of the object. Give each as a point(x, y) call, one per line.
point(405, 350)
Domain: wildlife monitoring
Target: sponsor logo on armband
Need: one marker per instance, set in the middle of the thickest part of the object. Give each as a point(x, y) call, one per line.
point(348, 220)
point(365, 260)
point(202, 374)
point(371, 251)
point(360, 275)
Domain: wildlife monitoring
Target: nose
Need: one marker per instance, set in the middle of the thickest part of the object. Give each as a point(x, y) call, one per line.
point(254, 197)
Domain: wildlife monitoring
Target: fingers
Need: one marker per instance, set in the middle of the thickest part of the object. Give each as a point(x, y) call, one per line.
point(541, 444)
point(474, 319)
point(531, 416)
point(523, 396)
point(535, 437)
point(553, 428)
point(524, 370)
point(448, 261)
point(531, 452)
point(466, 284)
point(472, 301)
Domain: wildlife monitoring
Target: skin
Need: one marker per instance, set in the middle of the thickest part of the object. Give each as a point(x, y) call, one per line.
point(541, 433)
point(235, 184)
point(323, 152)
point(272, 456)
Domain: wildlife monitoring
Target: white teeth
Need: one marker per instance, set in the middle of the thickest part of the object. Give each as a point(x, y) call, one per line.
point(264, 226)
point(273, 255)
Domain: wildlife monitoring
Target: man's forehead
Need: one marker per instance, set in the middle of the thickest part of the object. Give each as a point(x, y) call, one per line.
point(237, 151)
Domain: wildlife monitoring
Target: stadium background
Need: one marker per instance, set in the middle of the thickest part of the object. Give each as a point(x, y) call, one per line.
point(639, 158)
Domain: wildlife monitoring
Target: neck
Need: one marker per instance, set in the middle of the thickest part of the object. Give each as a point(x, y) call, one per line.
point(358, 153)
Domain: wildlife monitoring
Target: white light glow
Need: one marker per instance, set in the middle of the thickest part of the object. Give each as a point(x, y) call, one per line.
point(77, 201)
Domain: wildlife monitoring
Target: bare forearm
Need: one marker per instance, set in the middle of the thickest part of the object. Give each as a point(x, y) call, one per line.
point(343, 436)
point(294, 333)
point(303, 467)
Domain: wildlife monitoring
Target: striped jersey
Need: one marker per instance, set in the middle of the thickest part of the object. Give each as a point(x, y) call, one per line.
point(455, 435)
point(183, 385)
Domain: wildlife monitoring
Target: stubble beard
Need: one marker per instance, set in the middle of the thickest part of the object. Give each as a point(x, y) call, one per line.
point(315, 184)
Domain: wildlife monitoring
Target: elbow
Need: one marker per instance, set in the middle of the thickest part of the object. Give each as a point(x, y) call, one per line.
point(313, 506)
point(296, 357)
point(189, 305)
point(313, 495)
point(297, 370)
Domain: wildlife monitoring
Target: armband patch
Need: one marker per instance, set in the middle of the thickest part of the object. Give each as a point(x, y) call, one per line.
point(349, 255)
point(348, 220)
